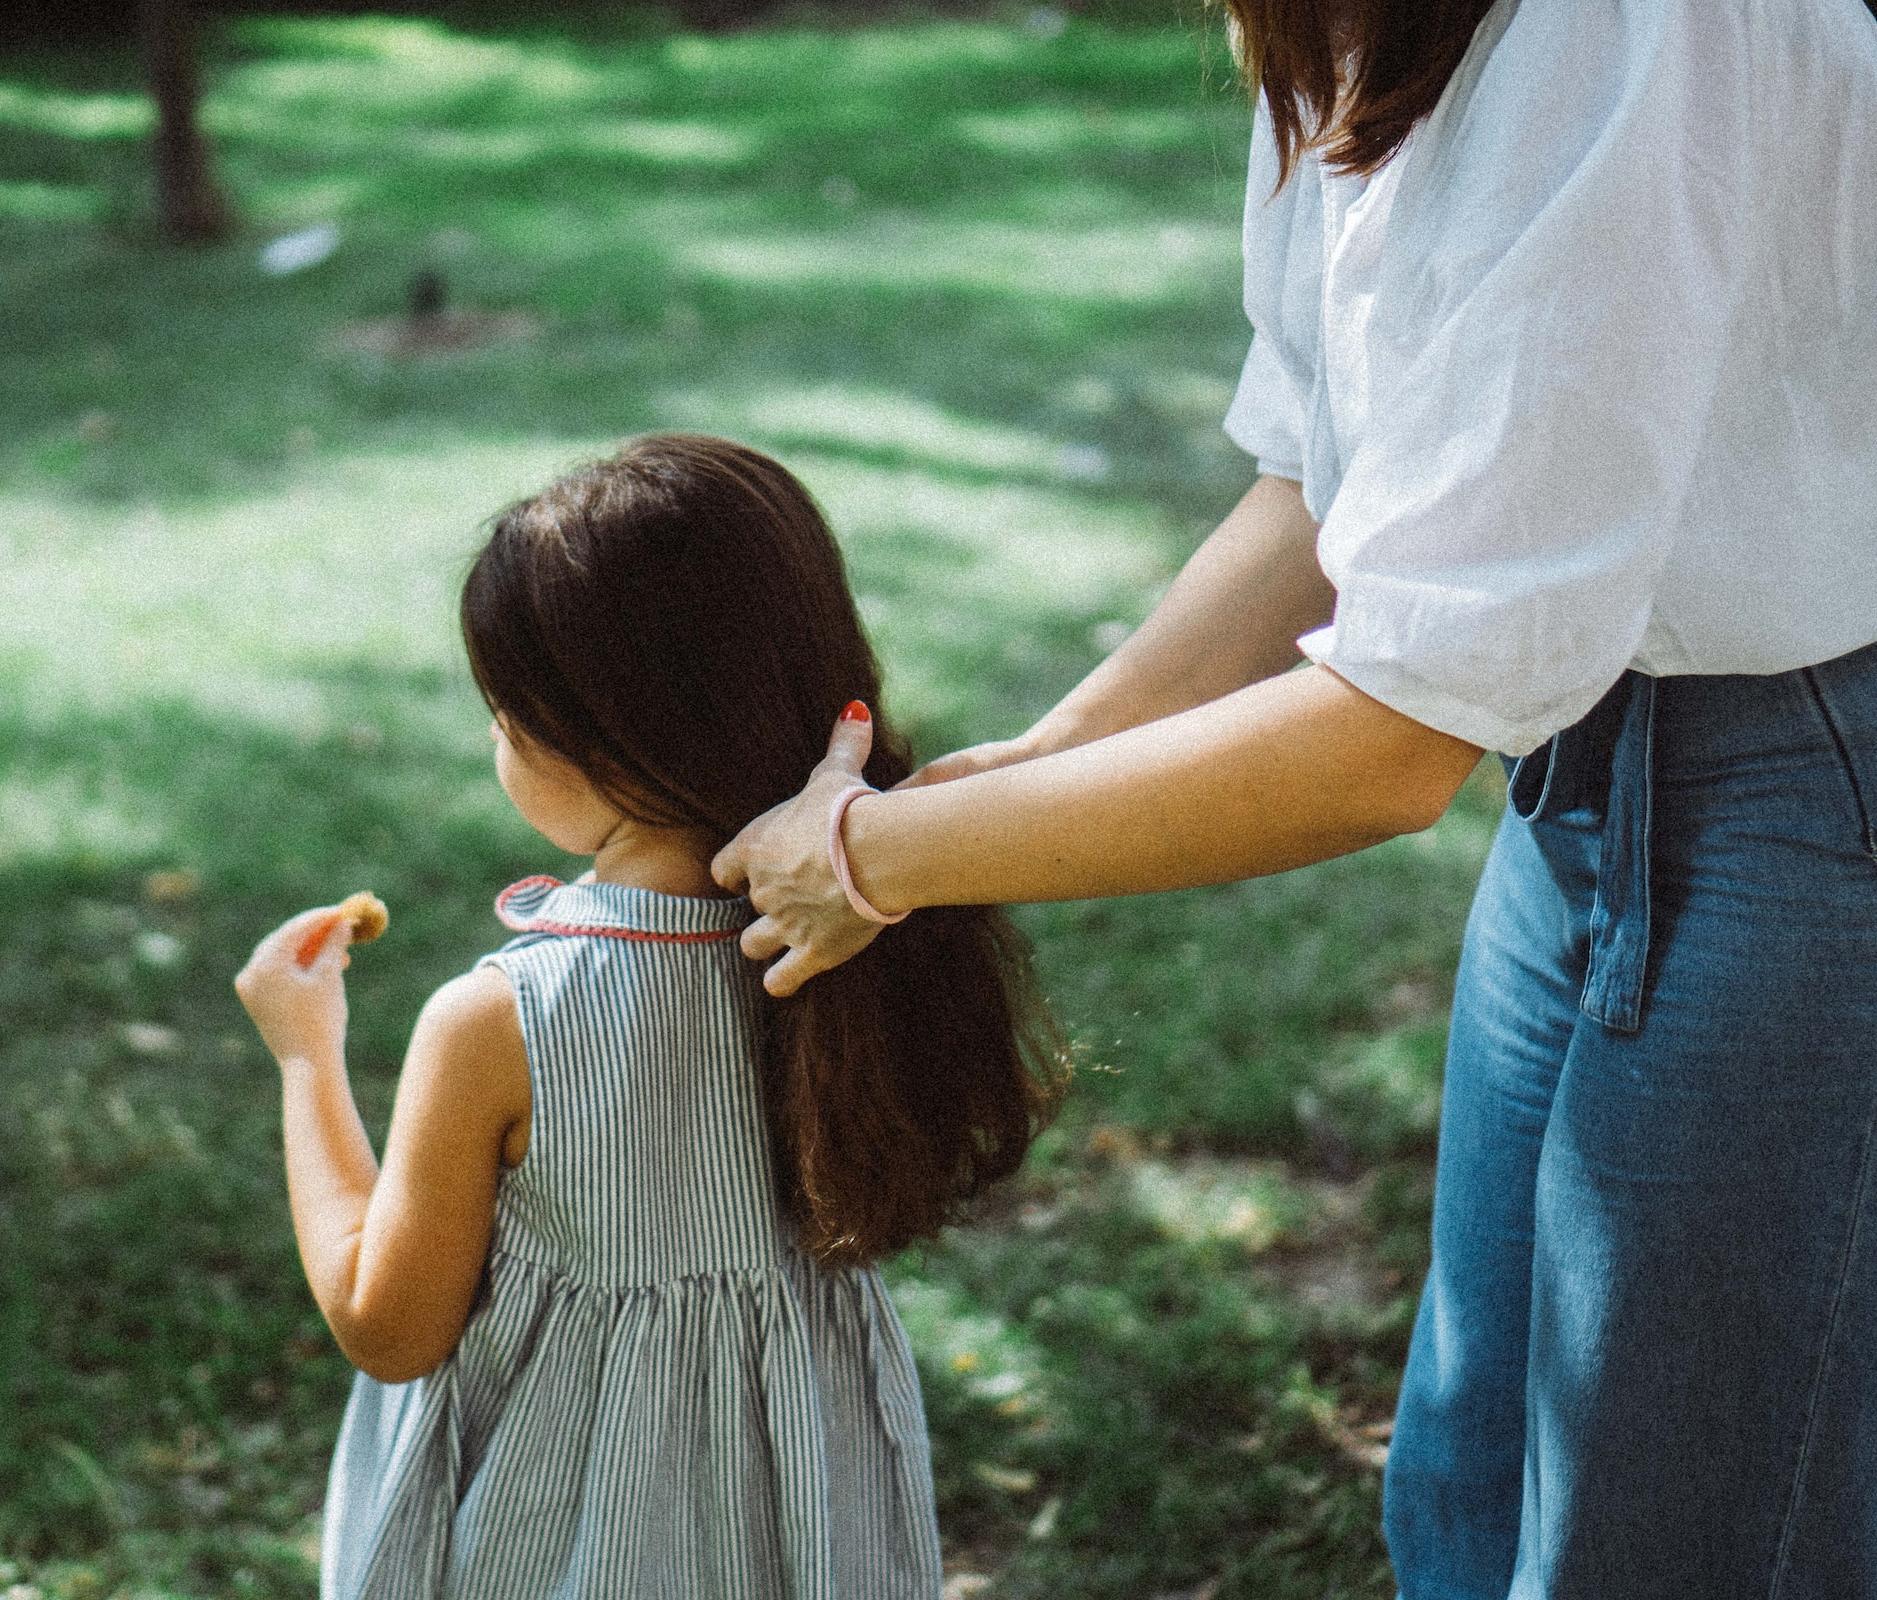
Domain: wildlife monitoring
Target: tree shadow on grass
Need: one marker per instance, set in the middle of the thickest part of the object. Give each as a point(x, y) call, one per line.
point(1129, 1399)
point(952, 264)
point(163, 1360)
point(864, 209)
point(170, 1392)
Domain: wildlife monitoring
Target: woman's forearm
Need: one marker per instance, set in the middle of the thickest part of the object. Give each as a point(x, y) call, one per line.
point(1294, 769)
point(1229, 619)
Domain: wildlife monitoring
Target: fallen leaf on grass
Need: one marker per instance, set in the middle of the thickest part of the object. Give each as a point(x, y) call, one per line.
point(1117, 1144)
point(167, 887)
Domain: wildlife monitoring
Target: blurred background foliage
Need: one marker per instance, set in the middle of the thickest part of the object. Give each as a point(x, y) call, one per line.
point(974, 275)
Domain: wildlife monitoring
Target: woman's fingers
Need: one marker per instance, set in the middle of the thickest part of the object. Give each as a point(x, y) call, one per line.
point(967, 763)
point(849, 745)
point(828, 948)
point(728, 868)
point(851, 742)
point(781, 861)
point(791, 972)
point(762, 939)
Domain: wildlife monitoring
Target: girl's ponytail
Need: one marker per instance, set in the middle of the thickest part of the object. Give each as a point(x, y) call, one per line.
point(903, 1082)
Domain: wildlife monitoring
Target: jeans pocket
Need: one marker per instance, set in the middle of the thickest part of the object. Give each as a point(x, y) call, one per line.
point(1528, 780)
point(1856, 763)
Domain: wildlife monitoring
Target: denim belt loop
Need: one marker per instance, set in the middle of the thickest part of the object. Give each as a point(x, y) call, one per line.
point(1619, 917)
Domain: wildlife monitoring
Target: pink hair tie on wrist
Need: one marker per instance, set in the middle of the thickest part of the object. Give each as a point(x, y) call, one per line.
point(837, 858)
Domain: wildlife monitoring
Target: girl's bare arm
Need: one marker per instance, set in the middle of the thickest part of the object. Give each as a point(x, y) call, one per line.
point(392, 1256)
point(401, 1275)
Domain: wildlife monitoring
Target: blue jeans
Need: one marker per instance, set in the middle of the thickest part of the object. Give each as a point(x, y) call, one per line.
point(1645, 1362)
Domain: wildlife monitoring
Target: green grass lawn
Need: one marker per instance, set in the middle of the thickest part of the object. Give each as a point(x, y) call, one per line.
point(975, 279)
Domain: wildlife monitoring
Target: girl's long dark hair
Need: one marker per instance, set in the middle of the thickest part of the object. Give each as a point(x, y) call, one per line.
point(675, 623)
point(1350, 78)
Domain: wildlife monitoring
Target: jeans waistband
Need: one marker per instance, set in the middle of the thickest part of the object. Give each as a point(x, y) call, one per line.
point(1605, 764)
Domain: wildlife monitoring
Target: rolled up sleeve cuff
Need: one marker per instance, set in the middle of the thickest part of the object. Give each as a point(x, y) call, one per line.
point(1426, 703)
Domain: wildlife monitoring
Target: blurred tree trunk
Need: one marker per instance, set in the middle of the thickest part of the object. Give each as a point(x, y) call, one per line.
point(189, 201)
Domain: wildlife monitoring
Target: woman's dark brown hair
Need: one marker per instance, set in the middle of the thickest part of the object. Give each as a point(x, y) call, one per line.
point(675, 622)
point(1350, 78)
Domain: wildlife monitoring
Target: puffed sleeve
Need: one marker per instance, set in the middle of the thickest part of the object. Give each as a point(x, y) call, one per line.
point(1283, 286)
point(1571, 263)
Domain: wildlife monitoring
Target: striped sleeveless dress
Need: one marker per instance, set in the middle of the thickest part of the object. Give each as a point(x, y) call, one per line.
point(656, 1397)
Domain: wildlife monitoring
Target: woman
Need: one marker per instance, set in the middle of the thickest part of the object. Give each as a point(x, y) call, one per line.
point(1563, 385)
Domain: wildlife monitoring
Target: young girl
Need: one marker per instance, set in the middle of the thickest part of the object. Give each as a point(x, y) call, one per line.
point(611, 1291)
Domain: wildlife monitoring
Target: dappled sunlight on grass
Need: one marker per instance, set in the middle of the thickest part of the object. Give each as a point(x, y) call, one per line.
point(971, 1357)
point(364, 560)
point(1157, 1336)
point(884, 423)
point(1029, 546)
point(1005, 558)
point(800, 205)
point(1066, 130)
point(398, 70)
point(1114, 266)
point(525, 143)
point(48, 202)
point(1240, 1204)
point(66, 815)
point(975, 281)
point(1268, 1010)
point(27, 108)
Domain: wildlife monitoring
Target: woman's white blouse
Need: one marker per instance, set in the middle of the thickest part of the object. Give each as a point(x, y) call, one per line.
point(1586, 377)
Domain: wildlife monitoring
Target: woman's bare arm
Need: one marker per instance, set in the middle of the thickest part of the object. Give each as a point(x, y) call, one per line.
point(1284, 772)
point(1289, 770)
point(1228, 619)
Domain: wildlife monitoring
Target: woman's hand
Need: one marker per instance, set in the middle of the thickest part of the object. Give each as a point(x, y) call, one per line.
point(781, 861)
point(299, 1010)
point(977, 758)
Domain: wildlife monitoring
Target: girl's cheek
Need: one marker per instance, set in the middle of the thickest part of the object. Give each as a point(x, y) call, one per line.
point(534, 799)
point(508, 773)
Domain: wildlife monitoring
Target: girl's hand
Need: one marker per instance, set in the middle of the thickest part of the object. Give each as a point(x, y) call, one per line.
point(781, 861)
point(299, 1010)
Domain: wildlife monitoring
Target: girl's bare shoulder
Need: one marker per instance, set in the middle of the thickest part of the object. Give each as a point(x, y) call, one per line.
point(470, 1036)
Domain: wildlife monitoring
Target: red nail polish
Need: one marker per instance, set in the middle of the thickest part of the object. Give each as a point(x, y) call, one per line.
point(856, 711)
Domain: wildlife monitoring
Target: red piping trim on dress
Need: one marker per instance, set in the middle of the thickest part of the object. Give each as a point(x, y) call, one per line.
point(509, 919)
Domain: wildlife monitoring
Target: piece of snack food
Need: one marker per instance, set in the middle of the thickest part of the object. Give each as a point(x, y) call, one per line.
point(365, 913)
